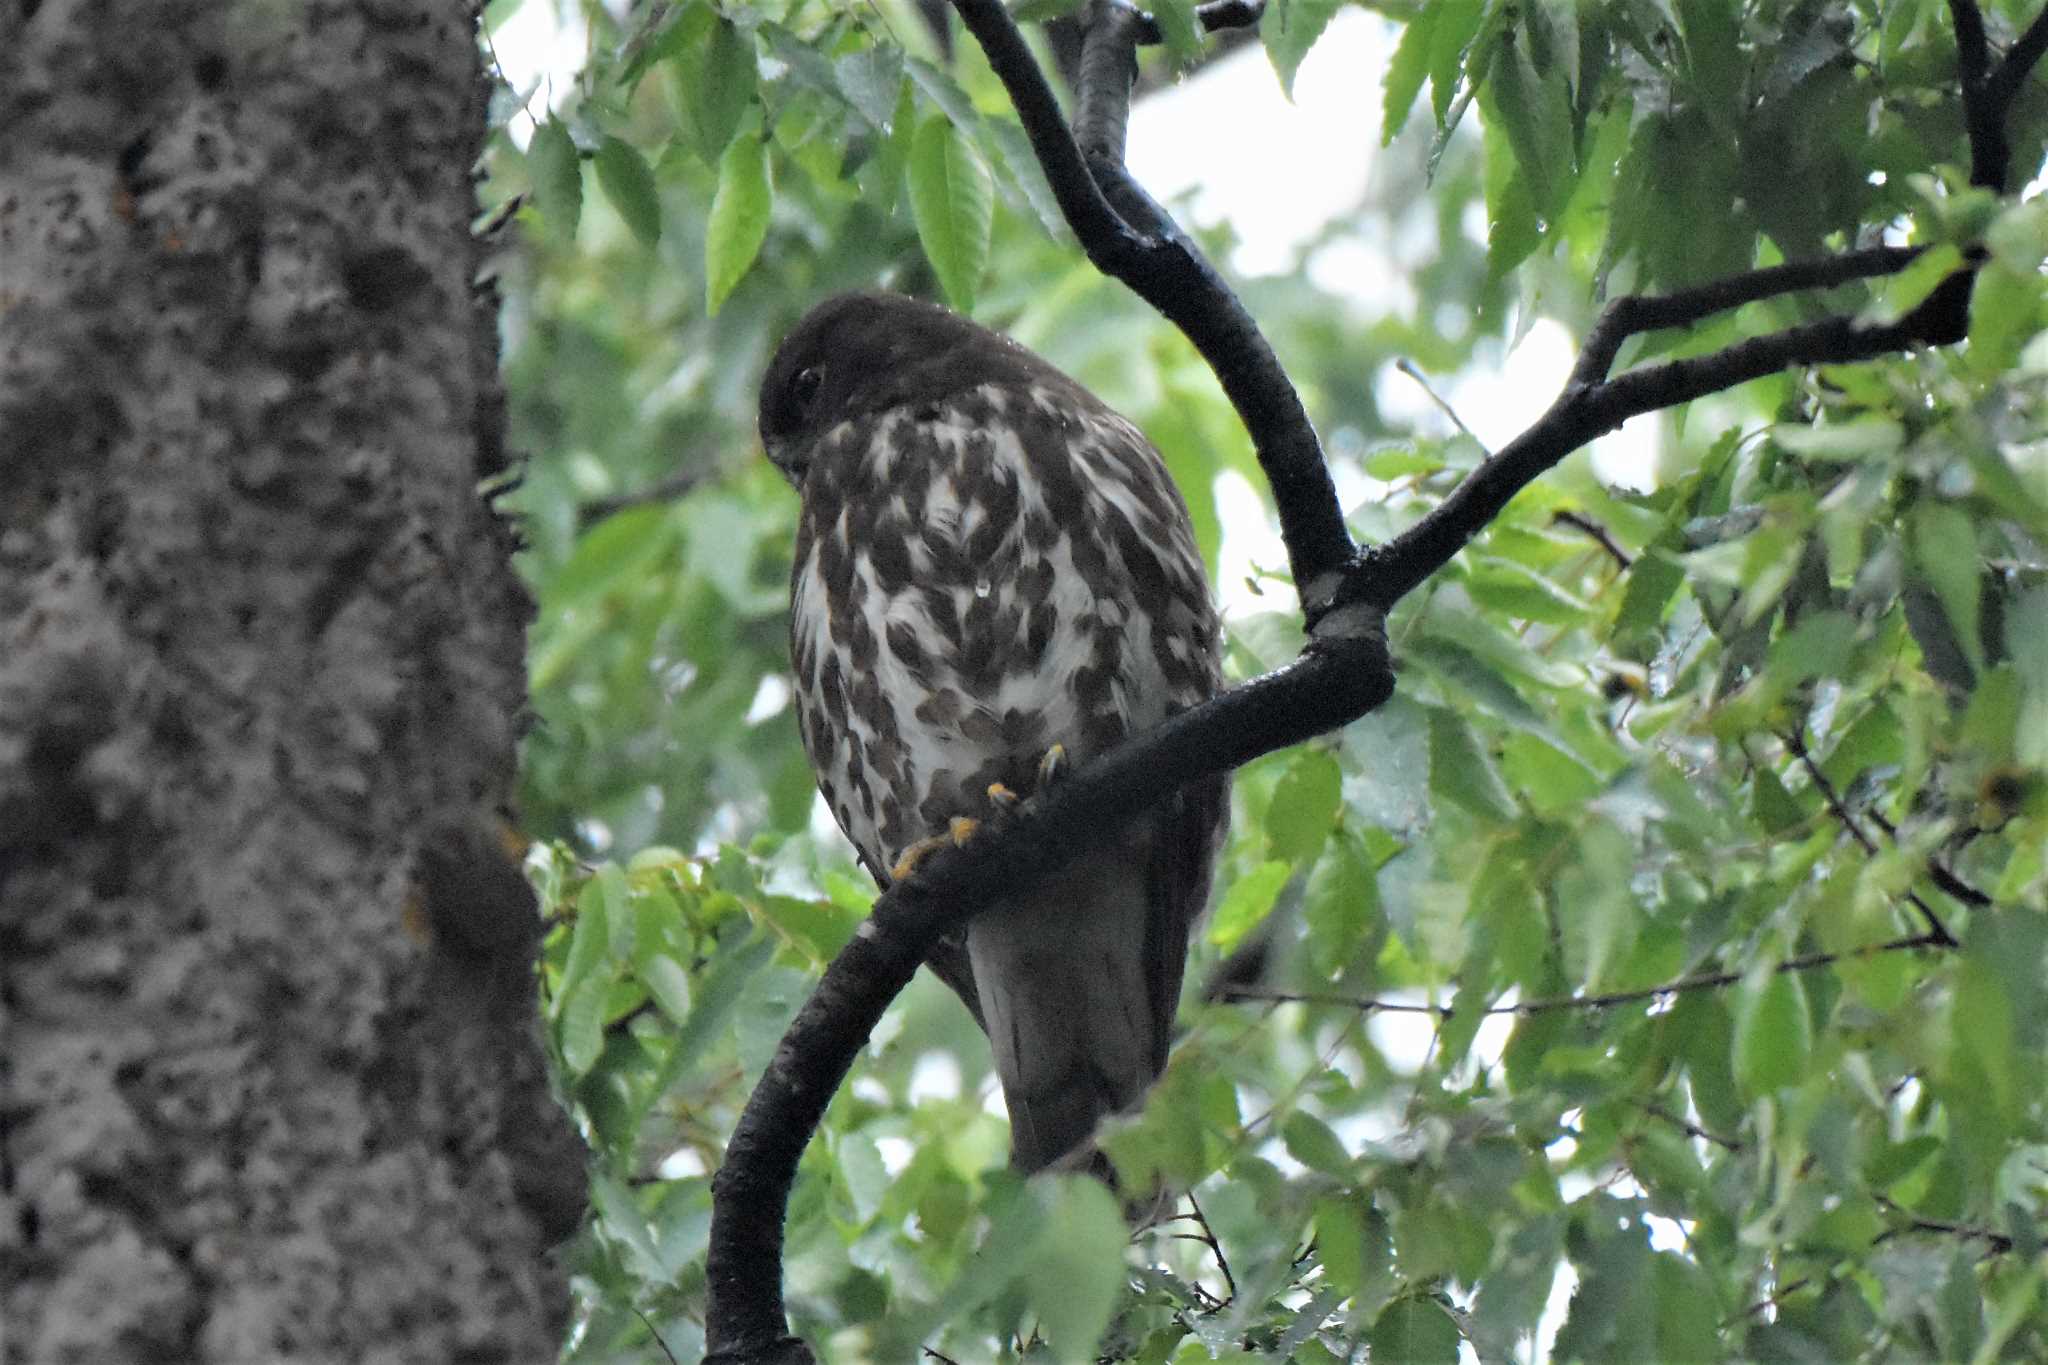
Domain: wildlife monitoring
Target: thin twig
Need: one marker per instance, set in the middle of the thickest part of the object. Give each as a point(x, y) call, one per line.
point(668, 490)
point(1407, 367)
point(1795, 741)
point(1208, 1237)
point(1690, 1128)
point(1578, 521)
point(1606, 1000)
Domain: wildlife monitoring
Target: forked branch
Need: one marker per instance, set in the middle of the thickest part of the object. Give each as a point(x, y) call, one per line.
point(1343, 673)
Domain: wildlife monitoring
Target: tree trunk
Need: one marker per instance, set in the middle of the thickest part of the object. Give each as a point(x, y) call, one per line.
point(271, 1085)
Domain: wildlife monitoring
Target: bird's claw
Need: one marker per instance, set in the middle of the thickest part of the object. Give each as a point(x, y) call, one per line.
point(1052, 767)
point(958, 831)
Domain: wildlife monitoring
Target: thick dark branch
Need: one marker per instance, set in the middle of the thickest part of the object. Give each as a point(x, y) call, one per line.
point(1983, 120)
point(1137, 243)
point(1109, 64)
point(1585, 411)
point(1331, 684)
point(2019, 63)
point(1637, 313)
point(1214, 17)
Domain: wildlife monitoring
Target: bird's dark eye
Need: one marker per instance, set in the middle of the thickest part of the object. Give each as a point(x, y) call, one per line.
point(804, 386)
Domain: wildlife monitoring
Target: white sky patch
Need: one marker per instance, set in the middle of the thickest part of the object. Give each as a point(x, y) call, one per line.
point(936, 1076)
point(540, 47)
point(1278, 171)
point(769, 698)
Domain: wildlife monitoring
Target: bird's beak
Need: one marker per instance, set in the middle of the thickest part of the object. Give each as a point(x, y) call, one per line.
point(785, 456)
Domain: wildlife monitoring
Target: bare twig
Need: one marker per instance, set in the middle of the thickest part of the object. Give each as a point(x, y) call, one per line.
point(1578, 521)
point(1208, 1238)
point(1691, 1129)
point(1705, 981)
point(669, 489)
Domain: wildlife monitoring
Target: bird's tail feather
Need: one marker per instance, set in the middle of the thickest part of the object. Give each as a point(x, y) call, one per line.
point(1063, 976)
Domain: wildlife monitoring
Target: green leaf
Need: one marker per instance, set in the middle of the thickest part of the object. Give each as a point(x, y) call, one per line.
point(1180, 28)
point(720, 987)
point(1773, 1032)
point(1415, 1331)
point(1341, 907)
point(1289, 28)
point(1304, 807)
point(1310, 1141)
point(953, 201)
point(871, 80)
point(557, 172)
point(1075, 1274)
point(1405, 74)
point(1461, 772)
point(739, 216)
point(716, 79)
point(581, 1025)
point(1247, 902)
point(627, 181)
point(1945, 552)
point(590, 938)
point(1351, 1238)
point(1908, 289)
point(668, 984)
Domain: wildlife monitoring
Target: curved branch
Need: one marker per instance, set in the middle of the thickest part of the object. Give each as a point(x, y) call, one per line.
point(1333, 683)
point(1131, 239)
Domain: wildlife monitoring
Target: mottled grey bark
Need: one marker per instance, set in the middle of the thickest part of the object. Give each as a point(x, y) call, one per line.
point(269, 1080)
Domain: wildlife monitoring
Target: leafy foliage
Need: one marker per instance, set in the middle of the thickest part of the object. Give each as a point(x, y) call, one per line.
point(1576, 967)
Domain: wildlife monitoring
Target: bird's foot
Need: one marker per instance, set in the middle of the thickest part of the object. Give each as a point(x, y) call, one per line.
point(1051, 768)
point(958, 831)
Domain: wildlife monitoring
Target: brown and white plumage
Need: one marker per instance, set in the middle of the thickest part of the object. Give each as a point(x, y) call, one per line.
point(989, 561)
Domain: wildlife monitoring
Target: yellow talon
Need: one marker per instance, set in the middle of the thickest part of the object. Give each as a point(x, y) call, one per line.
point(1051, 766)
point(1001, 797)
point(958, 831)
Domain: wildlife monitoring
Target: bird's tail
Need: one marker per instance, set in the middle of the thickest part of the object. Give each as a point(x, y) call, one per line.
point(1066, 975)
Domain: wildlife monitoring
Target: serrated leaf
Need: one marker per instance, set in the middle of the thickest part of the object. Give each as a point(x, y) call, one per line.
point(1075, 1275)
point(1304, 807)
point(1773, 1032)
point(1310, 1141)
point(628, 183)
point(871, 80)
point(1180, 28)
point(1945, 551)
point(1415, 1331)
point(952, 201)
point(1289, 28)
point(557, 172)
point(1247, 902)
point(668, 984)
point(1461, 772)
point(716, 80)
point(739, 216)
point(581, 1025)
point(589, 940)
point(1406, 71)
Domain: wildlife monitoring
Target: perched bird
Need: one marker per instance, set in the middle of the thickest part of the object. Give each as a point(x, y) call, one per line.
point(995, 574)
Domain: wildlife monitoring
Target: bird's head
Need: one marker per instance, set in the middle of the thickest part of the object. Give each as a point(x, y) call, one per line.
point(858, 354)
